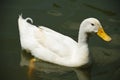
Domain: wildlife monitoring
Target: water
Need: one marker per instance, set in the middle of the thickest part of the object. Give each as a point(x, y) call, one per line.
point(64, 17)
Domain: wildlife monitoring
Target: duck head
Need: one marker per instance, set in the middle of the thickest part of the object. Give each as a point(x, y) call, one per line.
point(92, 25)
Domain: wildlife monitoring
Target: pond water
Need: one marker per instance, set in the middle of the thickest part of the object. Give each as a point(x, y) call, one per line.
point(64, 16)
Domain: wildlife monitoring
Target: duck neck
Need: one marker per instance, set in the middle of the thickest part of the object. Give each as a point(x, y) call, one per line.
point(82, 38)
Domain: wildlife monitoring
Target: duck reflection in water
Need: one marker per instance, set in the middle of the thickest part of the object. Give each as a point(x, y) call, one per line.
point(38, 69)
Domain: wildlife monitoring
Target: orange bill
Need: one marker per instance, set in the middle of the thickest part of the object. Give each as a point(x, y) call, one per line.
point(101, 33)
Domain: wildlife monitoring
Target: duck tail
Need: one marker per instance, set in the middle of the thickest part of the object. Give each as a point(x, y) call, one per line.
point(21, 18)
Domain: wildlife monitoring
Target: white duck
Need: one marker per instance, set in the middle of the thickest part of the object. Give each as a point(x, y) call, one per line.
point(51, 46)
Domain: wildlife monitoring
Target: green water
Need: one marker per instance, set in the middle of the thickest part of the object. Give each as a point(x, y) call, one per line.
point(65, 17)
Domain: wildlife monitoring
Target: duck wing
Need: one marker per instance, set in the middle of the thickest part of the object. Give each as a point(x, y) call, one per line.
point(57, 43)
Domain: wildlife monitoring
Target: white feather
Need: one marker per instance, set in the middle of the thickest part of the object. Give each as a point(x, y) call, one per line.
point(51, 46)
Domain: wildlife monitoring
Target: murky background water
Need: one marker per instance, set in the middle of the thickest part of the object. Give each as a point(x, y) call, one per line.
point(63, 16)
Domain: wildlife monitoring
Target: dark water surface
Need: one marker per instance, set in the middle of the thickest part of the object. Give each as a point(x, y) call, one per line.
point(65, 17)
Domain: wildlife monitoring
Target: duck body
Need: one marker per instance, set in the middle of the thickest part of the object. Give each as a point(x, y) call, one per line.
point(51, 46)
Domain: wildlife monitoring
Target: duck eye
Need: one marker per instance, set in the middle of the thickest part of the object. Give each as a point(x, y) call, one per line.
point(92, 24)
